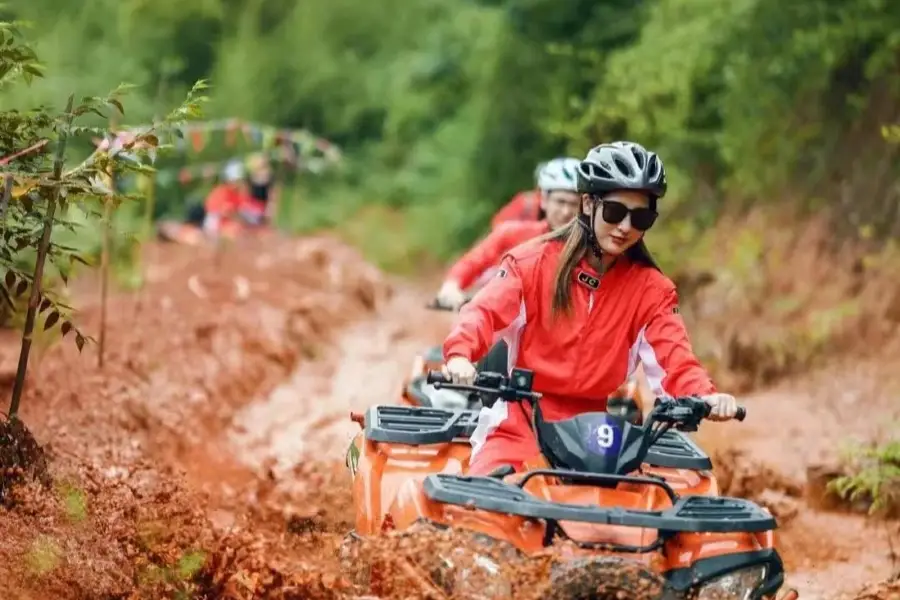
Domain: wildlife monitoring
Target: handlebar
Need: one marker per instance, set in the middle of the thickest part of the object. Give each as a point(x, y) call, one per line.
point(517, 387)
point(677, 410)
point(684, 407)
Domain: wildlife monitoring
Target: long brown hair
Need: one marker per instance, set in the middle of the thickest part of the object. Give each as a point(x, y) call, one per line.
point(577, 246)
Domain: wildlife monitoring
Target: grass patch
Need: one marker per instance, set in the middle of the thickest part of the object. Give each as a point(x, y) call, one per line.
point(74, 502)
point(43, 556)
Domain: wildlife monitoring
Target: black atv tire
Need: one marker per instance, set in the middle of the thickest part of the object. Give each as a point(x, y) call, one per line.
point(606, 578)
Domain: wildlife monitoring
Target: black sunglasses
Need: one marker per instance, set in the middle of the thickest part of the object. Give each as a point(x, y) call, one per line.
point(614, 213)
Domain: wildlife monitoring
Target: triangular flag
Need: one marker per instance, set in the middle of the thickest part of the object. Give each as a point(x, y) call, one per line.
point(198, 139)
point(231, 132)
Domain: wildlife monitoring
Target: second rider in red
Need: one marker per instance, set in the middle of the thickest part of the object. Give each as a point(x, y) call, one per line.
point(559, 202)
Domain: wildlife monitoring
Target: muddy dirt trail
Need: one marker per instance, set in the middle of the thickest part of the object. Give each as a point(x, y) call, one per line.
point(308, 415)
point(794, 434)
point(790, 429)
point(206, 459)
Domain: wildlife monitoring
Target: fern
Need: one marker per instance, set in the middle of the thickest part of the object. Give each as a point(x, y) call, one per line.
point(876, 476)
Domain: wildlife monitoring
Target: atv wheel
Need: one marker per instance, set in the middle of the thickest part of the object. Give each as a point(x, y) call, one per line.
point(606, 578)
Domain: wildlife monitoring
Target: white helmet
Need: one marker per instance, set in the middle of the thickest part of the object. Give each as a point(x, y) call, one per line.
point(234, 171)
point(559, 174)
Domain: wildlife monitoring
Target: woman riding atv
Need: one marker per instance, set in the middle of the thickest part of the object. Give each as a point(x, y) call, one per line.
point(581, 307)
point(558, 205)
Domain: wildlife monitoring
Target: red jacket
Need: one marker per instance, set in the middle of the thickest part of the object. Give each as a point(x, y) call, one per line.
point(629, 315)
point(488, 252)
point(524, 206)
point(224, 199)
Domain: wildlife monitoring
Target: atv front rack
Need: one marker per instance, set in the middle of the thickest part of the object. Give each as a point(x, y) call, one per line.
point(689, 514)
point(420, 426)
point(416, 425)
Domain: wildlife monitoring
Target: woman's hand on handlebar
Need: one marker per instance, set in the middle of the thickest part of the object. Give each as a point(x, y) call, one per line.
point(723, 407)
point(460, 370)
point(451, 295)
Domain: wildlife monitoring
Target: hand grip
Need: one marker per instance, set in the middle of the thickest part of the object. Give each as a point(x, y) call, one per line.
point(436, 377)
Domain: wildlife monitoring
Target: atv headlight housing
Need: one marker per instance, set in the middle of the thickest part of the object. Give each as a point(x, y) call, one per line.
point(736, 585)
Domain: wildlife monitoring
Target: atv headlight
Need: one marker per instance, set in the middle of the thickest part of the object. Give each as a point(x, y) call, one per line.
point(737, 585)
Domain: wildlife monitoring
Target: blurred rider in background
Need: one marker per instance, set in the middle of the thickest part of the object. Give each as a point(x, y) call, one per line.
point(259, 206)
point(558, 204)
point(225, 200)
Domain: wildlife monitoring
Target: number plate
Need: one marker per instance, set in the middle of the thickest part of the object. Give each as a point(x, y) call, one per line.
point(604, 435)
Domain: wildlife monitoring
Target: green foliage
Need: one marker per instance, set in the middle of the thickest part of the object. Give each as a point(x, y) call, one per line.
point(444, 107)
point(44, 555)
point(74, 502)
point(41, 193)
point(177, 579)
point(876, 476)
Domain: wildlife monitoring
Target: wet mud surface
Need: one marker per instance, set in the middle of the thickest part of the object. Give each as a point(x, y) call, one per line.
point(205, 459)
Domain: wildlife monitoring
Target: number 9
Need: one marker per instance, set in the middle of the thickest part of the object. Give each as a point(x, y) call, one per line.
point(605, 435)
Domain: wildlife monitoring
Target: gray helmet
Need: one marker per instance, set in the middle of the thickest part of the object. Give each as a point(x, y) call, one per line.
point(559, 174)
point(622, 166)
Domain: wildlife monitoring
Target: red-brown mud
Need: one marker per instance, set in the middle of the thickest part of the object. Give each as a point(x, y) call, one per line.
point(792, 433)
point(137, 446)
point(205, 459)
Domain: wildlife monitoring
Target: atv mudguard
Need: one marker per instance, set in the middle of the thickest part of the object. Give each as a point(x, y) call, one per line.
point(381, 459)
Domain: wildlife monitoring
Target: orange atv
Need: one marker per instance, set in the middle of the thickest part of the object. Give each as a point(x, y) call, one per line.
point(621, 496)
